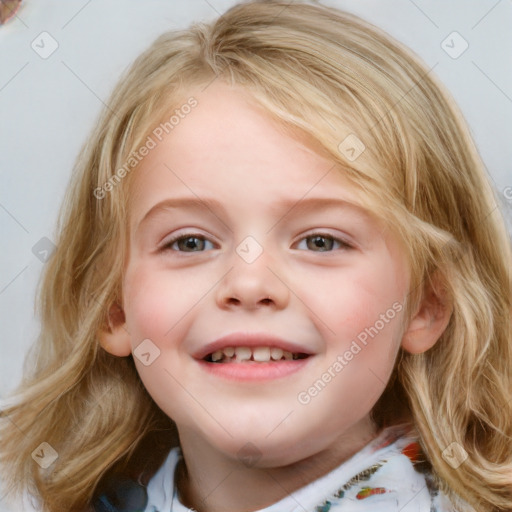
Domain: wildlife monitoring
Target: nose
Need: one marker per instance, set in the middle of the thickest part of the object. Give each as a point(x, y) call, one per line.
point(252, 286)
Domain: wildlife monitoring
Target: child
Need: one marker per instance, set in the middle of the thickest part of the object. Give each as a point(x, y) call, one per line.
point(281, 283)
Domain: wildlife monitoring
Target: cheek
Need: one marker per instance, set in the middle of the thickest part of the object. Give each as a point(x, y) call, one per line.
point(154, 303)
point(358, 300)
point(157, 299)
point(144, 308)
point(361, 311)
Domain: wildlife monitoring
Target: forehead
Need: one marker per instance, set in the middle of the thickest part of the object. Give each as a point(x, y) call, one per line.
point(229, 147)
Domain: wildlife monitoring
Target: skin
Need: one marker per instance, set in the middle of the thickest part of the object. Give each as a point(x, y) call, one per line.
point(229, 150)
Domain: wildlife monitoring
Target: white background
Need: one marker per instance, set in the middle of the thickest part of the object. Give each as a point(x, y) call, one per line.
point(48, 106)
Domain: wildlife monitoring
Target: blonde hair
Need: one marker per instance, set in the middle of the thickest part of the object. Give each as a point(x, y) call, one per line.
point(324, 74)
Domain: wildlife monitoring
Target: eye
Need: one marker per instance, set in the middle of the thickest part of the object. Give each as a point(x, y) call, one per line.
point(320, 242)
point(186, 243)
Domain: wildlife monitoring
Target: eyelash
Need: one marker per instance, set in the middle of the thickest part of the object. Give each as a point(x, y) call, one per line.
point(344, 245)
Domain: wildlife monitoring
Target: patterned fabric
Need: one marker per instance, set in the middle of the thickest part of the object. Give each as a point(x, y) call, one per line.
point(384, 476)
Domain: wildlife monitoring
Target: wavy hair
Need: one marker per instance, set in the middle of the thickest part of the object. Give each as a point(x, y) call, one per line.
point(325, 74)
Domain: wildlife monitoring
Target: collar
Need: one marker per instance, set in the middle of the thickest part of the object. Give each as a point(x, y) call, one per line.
point(383, 476)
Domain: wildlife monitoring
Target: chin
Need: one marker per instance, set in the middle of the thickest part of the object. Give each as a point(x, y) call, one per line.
point(257, 450)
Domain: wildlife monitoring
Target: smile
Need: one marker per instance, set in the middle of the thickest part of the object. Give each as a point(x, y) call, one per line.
point(260, 354)
point(253, 356)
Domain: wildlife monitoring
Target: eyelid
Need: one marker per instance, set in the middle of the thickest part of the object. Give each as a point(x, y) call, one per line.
point(168, 241)
point(344, 240)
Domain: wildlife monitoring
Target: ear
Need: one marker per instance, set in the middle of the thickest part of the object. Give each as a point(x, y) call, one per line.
point(430, 320)
point(114, 337)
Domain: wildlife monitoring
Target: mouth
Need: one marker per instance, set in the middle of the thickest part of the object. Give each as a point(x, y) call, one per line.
point(261, 354)
point(253, 356)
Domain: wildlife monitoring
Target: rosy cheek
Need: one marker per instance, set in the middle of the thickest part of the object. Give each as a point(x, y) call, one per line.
point(145, 306)
point(360, 315)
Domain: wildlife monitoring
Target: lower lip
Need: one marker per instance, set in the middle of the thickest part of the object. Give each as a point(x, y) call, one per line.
point(253, 371)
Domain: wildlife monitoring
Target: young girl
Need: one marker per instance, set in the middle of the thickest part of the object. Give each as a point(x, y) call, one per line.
point(281, 283)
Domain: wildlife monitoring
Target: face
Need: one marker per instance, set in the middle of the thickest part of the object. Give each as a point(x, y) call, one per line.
point(238, 231)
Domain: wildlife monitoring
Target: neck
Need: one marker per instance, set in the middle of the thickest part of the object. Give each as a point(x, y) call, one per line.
point(211, 481)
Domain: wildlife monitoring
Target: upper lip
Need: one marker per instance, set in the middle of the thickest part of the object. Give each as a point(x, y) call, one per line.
point(247, 339)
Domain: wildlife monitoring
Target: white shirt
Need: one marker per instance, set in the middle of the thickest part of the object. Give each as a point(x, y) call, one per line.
point(379, 478)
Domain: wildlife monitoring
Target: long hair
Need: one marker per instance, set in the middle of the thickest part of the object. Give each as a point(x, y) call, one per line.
point(326, 75)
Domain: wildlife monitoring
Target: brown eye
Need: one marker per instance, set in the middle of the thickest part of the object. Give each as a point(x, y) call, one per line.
point(186, 243)
point(323, 243)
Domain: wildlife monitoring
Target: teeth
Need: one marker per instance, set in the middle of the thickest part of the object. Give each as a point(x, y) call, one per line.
point(261, 354)
point(217, 355)
point(287, 355)
point(258, 354)
point(229, 351)
point(243, 353)
point(276, 353)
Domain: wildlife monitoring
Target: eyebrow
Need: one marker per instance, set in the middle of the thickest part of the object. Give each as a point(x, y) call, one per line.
point(286, 206)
